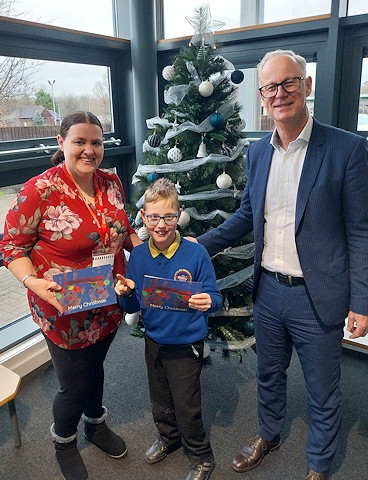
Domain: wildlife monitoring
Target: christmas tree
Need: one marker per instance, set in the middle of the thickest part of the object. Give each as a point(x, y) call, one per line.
point(198, 145)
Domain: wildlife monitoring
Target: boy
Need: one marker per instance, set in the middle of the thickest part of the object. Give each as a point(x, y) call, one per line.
point(174, 339)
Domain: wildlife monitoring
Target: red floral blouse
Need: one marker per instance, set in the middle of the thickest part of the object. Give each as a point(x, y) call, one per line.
point(49, 222)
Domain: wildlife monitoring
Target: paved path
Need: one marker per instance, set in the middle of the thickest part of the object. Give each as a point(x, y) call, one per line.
point(13, 298)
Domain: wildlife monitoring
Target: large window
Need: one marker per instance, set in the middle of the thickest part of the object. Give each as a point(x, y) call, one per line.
point(35, 95)
point(239, 13)
point(13, 295)
point(356, 7)
point(93, 16)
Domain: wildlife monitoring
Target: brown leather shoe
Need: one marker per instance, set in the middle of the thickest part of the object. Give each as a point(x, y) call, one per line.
point(311, 475)
point(250, 456)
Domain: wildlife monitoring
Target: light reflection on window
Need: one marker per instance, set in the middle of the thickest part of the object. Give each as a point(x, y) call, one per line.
point(93, 16)
point(38, 94)
point(362, 122)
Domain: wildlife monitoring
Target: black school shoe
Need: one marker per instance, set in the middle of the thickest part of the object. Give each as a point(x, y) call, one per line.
point(201, 471)
point(158, 451)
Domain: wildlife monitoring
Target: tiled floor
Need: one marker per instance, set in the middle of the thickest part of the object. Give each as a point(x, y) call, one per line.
point(13, 296)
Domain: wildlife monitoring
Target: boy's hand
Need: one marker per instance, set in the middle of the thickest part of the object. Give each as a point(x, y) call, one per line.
point(124, 286)
point(200, 301)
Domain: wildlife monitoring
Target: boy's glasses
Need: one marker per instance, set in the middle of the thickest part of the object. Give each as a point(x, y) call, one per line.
point(169, 219)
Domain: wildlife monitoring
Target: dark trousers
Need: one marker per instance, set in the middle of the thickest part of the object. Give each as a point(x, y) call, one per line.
point(175, 391)
point(81, 377)
point(284, 318)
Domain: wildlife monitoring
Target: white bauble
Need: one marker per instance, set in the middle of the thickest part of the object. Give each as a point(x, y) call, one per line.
point(224, 180)
point(184, 219)
point(206, 350)
point(205, 88)
point(132, 318)
point(168, 73)
point(174, 154)
point(143, 233)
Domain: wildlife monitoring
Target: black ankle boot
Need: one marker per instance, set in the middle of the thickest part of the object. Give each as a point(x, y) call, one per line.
point(70, 461)
point(68, 457)
point(97, 432)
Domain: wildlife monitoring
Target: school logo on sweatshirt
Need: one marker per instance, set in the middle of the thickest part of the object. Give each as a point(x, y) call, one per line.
point(183, 275)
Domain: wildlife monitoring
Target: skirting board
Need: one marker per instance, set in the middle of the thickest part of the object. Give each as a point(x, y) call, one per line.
point(26, 356)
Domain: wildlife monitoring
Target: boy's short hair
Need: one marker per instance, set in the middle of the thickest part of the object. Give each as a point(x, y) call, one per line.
point(161, 189)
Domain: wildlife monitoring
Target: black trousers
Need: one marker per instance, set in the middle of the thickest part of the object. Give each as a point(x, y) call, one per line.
point(175, 391)
point(81, 377)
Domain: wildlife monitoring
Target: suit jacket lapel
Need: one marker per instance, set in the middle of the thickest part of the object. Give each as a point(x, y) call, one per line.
point(312, 164)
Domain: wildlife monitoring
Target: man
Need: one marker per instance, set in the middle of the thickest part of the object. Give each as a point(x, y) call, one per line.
point(306, 200)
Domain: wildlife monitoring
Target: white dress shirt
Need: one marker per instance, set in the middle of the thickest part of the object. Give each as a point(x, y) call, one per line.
point(279, 250)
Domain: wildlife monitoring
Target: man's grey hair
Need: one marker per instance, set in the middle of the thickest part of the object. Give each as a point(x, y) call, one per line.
point(298, 58)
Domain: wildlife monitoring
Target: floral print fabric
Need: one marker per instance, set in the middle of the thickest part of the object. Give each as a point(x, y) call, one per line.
point(50, 223)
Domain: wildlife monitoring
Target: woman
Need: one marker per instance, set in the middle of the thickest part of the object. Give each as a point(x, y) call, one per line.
point(62, 220)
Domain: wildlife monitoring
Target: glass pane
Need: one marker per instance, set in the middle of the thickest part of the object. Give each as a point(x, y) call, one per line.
point(362, 124)
point(93, 16)
point(175, 14)
point(239, 13)
point(13, 297)
point(255, 117)
point(35, 95)
point(356, 7)
point(290, 9)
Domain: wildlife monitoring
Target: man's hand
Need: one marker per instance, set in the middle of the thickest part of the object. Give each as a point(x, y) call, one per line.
point(357, 325)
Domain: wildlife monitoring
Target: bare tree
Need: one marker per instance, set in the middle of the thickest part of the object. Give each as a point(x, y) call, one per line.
point(101, 97)
point(15, 73)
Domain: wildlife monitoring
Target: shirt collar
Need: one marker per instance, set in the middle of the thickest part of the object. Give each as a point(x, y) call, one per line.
point(169, 252)
point(303, 135)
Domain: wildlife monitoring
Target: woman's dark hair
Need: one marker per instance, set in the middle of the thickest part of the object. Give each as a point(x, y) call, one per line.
point(68, 121)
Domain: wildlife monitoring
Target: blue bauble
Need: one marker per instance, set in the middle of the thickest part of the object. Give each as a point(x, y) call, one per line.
point(217, 120)
point(249, 328)
point(237, 76)
point(152, 177)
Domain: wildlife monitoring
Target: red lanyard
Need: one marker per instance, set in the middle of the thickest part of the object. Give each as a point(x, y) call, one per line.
point(102, 225)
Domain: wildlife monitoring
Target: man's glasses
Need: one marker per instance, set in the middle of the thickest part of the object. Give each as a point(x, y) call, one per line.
point(290, 85)
point(169, 219)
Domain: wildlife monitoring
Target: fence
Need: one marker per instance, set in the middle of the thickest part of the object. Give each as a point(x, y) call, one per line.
point(8, 134)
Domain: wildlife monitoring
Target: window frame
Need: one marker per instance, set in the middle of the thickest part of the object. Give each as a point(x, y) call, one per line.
point(20, 38)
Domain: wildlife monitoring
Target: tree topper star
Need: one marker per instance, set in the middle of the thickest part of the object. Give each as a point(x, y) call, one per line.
point(204, 26)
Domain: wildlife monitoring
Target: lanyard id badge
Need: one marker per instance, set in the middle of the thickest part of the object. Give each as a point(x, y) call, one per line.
point(100, 257)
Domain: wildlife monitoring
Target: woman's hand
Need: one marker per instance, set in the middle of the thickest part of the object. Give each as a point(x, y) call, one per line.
point(124, 286)
point(45, 289)
point(200, 301)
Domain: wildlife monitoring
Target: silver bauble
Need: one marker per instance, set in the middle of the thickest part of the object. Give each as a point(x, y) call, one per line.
point(184, 219)
point(205, 88)
point(168, 73)
point(224, 180)
point(132, 318)
point(143, 233)
point(174, 154)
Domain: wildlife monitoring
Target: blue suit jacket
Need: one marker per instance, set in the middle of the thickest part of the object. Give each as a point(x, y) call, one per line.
point(331, 222)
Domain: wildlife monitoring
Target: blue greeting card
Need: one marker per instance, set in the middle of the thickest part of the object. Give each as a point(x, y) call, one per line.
point(85, 289)
point(167, 293)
